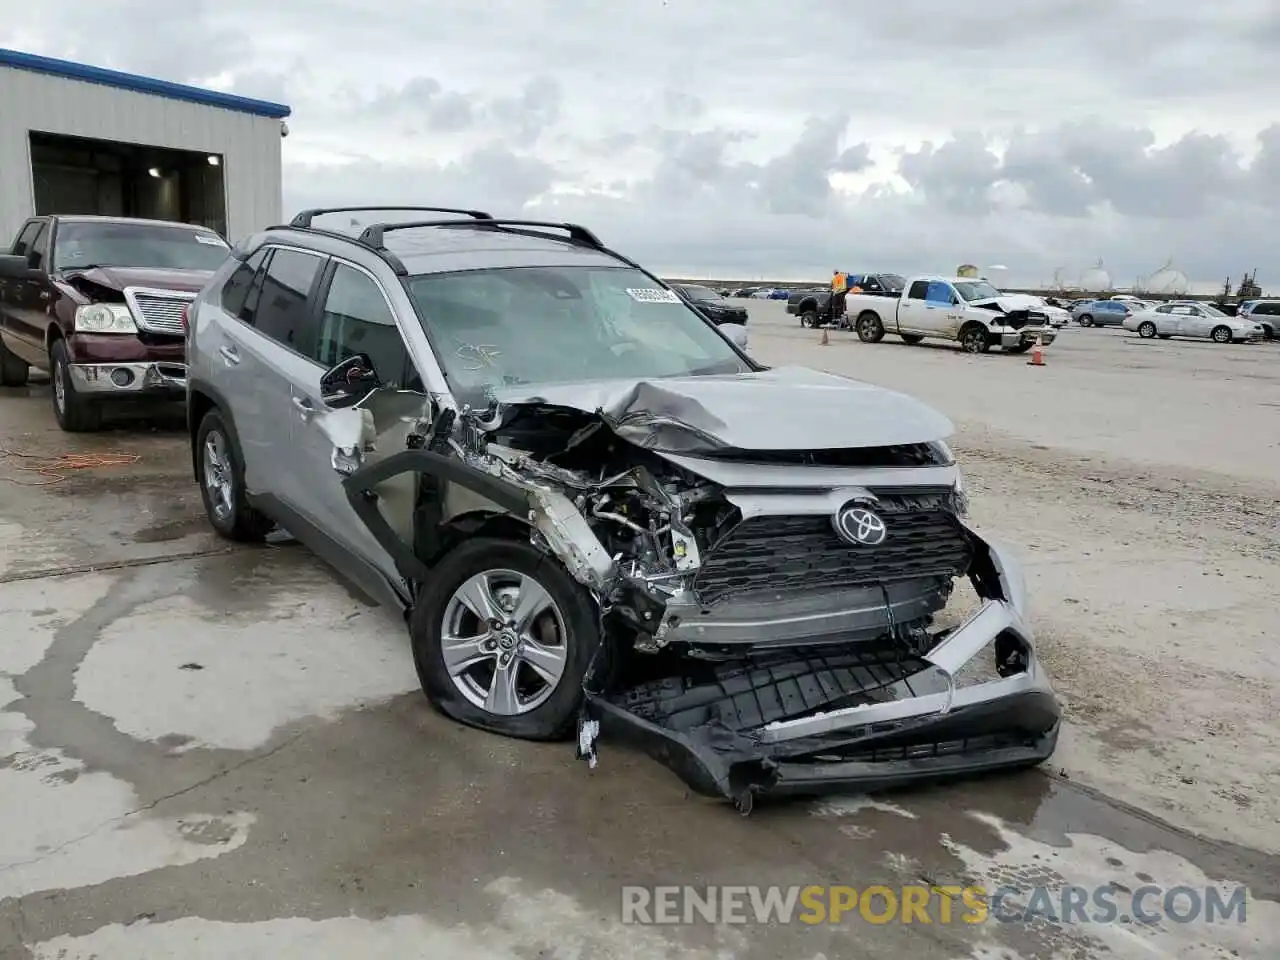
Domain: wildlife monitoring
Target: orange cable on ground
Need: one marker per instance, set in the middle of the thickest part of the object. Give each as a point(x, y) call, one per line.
point(56, 468)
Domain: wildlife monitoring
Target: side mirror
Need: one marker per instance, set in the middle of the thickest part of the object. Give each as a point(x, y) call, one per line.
point(737, 332)
point(348, 382)
point(13, 267)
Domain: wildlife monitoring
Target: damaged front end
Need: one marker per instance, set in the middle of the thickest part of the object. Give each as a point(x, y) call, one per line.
point(772, 621)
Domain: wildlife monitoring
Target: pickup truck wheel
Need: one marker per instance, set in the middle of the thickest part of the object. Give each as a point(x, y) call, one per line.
point(809, 318)
point(502, 638)
point(911, 338)
point(13, 370)
point(75, 413)
point(220, 470)
point(974, 339)
point(870, 329)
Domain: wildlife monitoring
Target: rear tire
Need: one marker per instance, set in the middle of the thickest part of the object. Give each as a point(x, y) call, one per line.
point(74, 412)
point(220, 472)
point(809, 319)
point(14, 371)
point(1221, 334)
point(1146, 329)
point(554, 716)
point(911, 338)
point(870, 328)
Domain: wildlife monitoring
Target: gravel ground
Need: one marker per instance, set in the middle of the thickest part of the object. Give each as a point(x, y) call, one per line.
point(1141, 482)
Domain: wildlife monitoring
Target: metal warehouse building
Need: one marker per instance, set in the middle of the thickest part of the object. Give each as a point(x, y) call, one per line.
point(76, 139)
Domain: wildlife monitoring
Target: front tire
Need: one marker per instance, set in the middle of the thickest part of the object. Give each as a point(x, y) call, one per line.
point(1086, 320)
point(502, 638)
point(14, 371)
point(1221, 334)
point(1146, 329)
point(974, 339)
point(870, 328)
point(74, 412)
point(220, 471)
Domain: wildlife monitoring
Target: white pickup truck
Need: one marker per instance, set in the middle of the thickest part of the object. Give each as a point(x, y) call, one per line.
point(968, 311)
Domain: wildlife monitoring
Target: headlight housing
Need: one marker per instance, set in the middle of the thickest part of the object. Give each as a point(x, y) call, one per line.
point(104, 318)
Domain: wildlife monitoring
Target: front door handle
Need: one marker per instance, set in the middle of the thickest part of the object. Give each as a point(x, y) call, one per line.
point(305, 407)
point(230, 355)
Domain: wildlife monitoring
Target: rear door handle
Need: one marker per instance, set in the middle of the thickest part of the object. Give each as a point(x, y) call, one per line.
point(230, 355)
point(305, 407)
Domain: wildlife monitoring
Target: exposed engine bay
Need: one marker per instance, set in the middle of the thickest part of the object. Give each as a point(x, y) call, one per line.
point(767, 616)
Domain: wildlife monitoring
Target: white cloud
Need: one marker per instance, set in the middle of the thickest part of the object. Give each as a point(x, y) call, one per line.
point(707, 136)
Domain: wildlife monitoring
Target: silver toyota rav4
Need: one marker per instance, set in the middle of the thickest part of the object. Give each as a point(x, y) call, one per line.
point(599, 514)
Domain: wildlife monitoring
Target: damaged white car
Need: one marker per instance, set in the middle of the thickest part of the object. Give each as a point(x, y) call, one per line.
point(601, 516)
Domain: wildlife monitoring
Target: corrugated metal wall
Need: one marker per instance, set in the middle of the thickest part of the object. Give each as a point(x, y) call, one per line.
point(250, 145)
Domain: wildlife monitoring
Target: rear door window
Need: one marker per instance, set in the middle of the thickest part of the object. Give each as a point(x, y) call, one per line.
point(282, 308)
point(236, 290)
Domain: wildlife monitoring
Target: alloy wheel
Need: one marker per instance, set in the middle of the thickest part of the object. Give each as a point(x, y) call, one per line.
point(503, 641)
point(217, 475)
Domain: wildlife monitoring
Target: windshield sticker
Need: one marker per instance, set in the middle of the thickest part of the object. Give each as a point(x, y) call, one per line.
point(210, 240)
point(652, 295)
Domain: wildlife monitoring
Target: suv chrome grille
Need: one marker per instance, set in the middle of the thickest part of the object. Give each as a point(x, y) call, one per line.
point(794, 553)
point(159, 311)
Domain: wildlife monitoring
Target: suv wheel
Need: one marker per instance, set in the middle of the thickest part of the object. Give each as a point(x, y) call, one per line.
point(502, 638)
point(220, 468)
point(75, 412)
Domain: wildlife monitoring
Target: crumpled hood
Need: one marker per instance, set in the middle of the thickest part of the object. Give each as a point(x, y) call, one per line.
point(787, 408)
point(1013, 301)
point(117, 278)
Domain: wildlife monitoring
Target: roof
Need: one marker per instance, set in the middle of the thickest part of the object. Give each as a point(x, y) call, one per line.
point(139, 84)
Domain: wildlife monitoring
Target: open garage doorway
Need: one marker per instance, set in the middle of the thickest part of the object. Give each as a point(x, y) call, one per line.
point(75, 175)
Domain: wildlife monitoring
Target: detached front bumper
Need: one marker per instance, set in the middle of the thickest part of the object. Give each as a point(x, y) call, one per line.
point(854, 716)
point(1016, 338)
point(130, 380)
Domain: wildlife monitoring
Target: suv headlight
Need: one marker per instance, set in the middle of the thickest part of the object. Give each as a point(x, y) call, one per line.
point(104, 318)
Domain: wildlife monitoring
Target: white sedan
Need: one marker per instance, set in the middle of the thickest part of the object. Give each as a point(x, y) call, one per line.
point(1191, 320)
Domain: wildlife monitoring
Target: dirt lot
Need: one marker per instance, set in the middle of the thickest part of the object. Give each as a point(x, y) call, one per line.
point(214, 752)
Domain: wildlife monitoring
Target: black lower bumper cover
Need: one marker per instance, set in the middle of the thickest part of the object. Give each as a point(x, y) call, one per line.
point(714, 760)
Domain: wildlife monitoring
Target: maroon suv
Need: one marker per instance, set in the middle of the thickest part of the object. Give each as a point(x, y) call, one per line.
point(100, 302)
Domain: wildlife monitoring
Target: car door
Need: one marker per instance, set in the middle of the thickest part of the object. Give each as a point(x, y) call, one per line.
point(13, 291)
point(353, 316)
point(943, 310)
point(910, 309)
point(1197, 322)
point(29, 300)
point(272, 347)
point(1182, 322)
point(1164, 320)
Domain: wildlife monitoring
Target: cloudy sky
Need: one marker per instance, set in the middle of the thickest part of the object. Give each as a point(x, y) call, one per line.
point(764, 138)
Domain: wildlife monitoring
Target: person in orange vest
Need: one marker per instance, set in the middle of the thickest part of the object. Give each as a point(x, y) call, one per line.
point(839, 283)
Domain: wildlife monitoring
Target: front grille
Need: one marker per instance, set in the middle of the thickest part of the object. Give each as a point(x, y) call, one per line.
point(804, 553)
point(161, 313)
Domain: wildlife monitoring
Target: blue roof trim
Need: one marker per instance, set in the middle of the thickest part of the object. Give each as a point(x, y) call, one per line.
point(138, 84)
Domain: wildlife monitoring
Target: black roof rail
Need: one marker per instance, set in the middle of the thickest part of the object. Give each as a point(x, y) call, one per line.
point(388, 257)
point(304, 218)
point(374, 235)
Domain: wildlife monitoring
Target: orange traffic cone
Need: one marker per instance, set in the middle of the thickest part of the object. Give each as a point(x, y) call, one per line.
point(1037, 355)
point(825, 341)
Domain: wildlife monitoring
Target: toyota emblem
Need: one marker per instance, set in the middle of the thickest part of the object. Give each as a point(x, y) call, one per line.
point(860, 526)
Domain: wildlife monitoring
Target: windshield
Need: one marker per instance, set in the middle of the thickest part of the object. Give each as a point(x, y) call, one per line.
point(701, 293)
point(976, 290)
point(81, 244)
point(545, 325)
